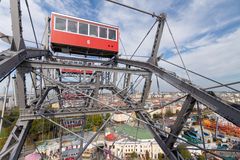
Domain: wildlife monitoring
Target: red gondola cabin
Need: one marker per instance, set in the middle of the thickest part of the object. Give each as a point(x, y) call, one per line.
point(75, 35)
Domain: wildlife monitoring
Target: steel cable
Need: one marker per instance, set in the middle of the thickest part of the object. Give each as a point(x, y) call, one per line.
point(200, 75)
point(147, 123)
point(175, 44)
point(135, 51)
point(30, 17)
point(120, 92)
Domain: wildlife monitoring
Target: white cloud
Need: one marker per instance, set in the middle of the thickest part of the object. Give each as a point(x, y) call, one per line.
point(193, 24)
point(217, 59)
point(38, 16)
point(82, 8)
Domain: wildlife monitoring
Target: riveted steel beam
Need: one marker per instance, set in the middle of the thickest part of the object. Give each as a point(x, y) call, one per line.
point(215, 104)
point(57, 65)
point(181, 120)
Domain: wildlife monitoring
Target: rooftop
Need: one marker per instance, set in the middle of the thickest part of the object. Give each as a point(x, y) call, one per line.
point(125, 129)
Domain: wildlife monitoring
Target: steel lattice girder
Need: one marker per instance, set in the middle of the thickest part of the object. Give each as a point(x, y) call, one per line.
point(76, 112)
point(13, 59)
point(15, 141)
point(57, 65)
point(181, 120)
point(82, 110)
point(217, 105)
point(158, 136)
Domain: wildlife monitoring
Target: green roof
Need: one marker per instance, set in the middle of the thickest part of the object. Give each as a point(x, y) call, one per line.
point(131, 131)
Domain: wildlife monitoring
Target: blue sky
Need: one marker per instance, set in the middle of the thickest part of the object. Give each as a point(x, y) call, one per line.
point(207, 31)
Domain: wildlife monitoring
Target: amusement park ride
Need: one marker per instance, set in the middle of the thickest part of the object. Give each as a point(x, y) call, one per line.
point(80, 36)
point(77, 36)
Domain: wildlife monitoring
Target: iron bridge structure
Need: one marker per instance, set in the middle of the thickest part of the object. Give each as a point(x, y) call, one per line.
point(43, 66)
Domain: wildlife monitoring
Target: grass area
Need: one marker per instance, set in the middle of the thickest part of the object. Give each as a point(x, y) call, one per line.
point(4, 133)
point(131, 131)
point(3, 136)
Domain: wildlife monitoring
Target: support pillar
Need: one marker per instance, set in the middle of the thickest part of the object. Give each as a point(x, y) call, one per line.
point(13, 146)
point(17, 42)
point(181, 120)
point(83, 118)
point(127, 79)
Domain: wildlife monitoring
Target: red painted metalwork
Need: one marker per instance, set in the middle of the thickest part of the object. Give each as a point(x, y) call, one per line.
point(71, 96)
point(75, 71)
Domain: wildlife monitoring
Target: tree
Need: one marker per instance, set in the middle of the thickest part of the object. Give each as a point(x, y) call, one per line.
point(93, 120)
point(160, 156)
point(8, 126)
point(200, 157)
point(107, 116)
point(168, 113)
point(11, 117)
point(157, 116)
point(147, 155)
point(184, 152)
point(194, 109)
point(134, 155)
point(177, 111)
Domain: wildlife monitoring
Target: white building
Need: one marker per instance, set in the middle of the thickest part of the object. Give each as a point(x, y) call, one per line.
point(123, 148)
point(121, 118)
point(9, 104)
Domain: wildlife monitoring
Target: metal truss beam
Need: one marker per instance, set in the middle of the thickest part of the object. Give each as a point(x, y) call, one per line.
point(84, 85)
point(146, 89)
point(8, 64)
point(76, 112)
point(153, 58)
point(17, 42)
point(181, 120)
point(83, 110)
point(5, 38)
point(124, 97)
point(158, 136)
point(97, 87)
point(217, 105)
point(78, 59)
point(43, 97)
point(127, 79)
point(94, 136)
point(13, 146)
point(95, 81)
point(15, 141)
point(13, 59)
point(57, 65)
